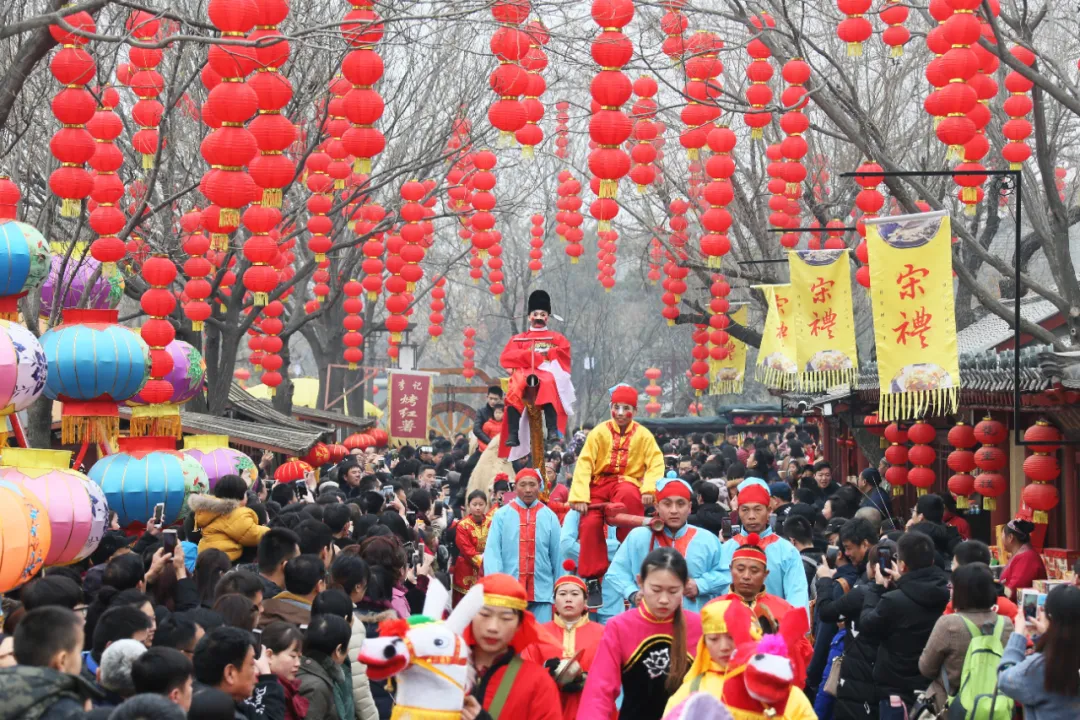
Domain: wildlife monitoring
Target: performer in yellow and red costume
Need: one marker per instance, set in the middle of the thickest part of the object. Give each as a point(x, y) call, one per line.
point(471, 536)
point(545, 354)
point(621, 464)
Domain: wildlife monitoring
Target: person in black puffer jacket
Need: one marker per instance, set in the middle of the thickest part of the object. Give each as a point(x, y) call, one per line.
point(855, 698)
point(899, 613)
point(709, 516)
point(928, 517)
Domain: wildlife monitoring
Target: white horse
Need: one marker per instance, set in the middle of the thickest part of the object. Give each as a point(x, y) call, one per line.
point(428, 659)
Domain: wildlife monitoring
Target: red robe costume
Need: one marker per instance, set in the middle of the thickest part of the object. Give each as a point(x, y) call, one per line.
point(469, 566)
point(583, 636)
point(525, 358)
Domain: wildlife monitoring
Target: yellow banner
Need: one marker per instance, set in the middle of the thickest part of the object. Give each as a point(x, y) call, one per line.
point(911, 289)
point(823, 322)
point(776, 366)
point(726, 376)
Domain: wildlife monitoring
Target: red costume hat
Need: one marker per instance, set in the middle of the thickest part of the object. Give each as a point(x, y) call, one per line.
point(673, 487)
point(503, 591)
point(753, 493)
point(528, 472)
point(751, 550)
point(624, 395)
point(570, 578)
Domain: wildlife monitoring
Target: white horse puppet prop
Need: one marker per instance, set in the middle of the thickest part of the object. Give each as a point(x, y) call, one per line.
point(427, 657)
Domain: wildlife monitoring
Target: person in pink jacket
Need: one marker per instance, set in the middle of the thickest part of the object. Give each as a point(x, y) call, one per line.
point(645, 651)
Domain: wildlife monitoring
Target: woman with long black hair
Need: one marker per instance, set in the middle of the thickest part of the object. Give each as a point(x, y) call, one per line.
point(1047, 682)
point(646, 651)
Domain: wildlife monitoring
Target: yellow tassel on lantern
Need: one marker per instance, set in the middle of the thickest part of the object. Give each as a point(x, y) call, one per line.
point(989, 503)
point(854, 49)
point(756, 134)
point(219, 242)
point(108, 269)
point(603, 225)
point(1039, 517)
point(271, 392)
point(528, 152)
point(607, 289)
point(365, 165)
point(573, 261)
point(261, 298)
point(353, 366)
point(372, 297)
point(715, 261)
point(920, 492)
point(271, 197)
point(670, 322)
point(74, 429)
point(962, 502)
point(158, 420)
point(898, 52)
point(319, 257)
point(148, 162)
point(197, 325)
point(692, 153)
point(970, 209)
point(229, 216)
point(395, 337)
point(70, 207)
point(1016, 166)
point(339, 184)
point(897, 490)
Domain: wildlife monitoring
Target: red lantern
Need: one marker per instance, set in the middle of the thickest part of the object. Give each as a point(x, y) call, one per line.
point(292, 471)
point(1017, 128)
point(197, 268)
point(990, 432)
point(991, 486)
point(758, 94)
point(9, 198)
point(158, 302)
point(72, 145)
point(873, 425)
point(337, 452)
point(1043, 437)
point(435, 319)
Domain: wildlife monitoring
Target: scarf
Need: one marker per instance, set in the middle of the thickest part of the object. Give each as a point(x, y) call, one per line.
point(296, 705)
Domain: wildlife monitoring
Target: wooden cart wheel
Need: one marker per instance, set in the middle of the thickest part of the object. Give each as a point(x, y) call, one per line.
point(450, 418)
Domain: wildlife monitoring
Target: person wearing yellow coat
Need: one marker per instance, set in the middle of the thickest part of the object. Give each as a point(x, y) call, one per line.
point(750, 675)
point(225, 521)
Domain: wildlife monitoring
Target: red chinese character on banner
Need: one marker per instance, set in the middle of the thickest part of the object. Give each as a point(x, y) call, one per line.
point(821, 290)
point(910, 281)
point(781, 303)
point(781, 332)
point(823, 323)
point(915, 327)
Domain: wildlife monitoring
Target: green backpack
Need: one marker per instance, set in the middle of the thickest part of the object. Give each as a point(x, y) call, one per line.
point(978, 697)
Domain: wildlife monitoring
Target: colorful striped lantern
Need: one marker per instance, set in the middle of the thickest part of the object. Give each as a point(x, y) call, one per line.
point(72, 278)
point(78, 513)
point(25, 535)
point(24, 263)
point(23, 369)
point(94, 364)
point(186, 378)
point(145, 472)
point(215, 456)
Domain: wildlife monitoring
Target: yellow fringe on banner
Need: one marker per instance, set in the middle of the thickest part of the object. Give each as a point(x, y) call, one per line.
point(822, 381)
point(75, 430)
point(917, 404)
point(726, 387)
point(773, 378)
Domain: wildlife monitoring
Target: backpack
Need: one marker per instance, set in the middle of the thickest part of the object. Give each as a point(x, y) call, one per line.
point(812, 565)
point(978, 697)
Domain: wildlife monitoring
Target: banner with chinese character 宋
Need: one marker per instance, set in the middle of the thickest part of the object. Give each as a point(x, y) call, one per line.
point(776, 366)
point(409, 408)
point(727, 375)
point(911, 289)
point(824, 325)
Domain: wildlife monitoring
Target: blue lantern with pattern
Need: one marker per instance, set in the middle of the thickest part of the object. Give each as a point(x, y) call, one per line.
point(94, 364)
point(146, 471)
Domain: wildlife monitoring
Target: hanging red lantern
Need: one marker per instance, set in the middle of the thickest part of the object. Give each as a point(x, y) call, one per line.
point(536, 244)
point(991, 486)
point(363, 68)
point(271, 362)
point(106, 218)
point(158, 417)
point(759, 72)
point(961, 461)
point(855, 29)
point(609, 127)
point(469, 365)
point(438, 304)
point(643, 154)
point(922, 456)
point(653, 391)
point(353, 322)
point(72, 145)
point(990, 432)
point(674, 24)
point(1018, 128)
point(197, 268)
point(1042, 469)
point(894, 15)
point(10, 195)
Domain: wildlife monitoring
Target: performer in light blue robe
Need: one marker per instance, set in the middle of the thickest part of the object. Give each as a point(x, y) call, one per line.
point(709, 576)
point(523, 542)
point(786, 578)
point(613, 602)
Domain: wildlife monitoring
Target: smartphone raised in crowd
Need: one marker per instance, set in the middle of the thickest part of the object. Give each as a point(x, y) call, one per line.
point(169, 541)
point(725, 528)
point(884, 560)
point(159, 513)
point(831, 553)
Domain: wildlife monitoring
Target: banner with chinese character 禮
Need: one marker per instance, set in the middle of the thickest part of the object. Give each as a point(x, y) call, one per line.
point(409, 408)
point(776, 366)
point(911, 290)
point(726, 376)
point(826, 354)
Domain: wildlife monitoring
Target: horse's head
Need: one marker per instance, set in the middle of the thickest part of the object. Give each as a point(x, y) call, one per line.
point(423, 641)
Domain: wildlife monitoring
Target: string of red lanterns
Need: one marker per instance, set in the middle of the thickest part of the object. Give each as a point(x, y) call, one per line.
point(719, 321)
point(73, 107)
point(438, 304)
point(271, 324)
point(468, 370)
point(609, 127)
point(777, 187)
point(895, 36)
point(569, 217)
point(605, 258)
point(158, 302)
point(673, 24)
point(106, 218)
point(197, 288)
point(699, 367)
point(1042, 468)
point(794, 147)
point(535, 61)
point(702, 93)
point(363, 68)
point(353, 322)
point(656, 259)
point(719, 192)
point(921, 456)
point(536, 244)
point(562, 128)
point(271, 169)
point(759, 73)
point(869, 201)
point(855, 29)
point(990, 459)
point(897, 456)
point(961, 461)
point(654, 392)
point(510, 44)
point(147, 84)
point(1017, 128)
point(643, 154)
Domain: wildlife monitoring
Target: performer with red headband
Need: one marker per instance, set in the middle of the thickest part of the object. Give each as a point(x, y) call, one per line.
point(545, 355)
point(578, 636)
point(708, 575)
point(507, 684)
point(785, 578)
point(619, 463)
point(523, 542)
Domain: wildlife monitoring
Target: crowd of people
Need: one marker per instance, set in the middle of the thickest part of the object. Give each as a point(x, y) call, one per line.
point(632, 572)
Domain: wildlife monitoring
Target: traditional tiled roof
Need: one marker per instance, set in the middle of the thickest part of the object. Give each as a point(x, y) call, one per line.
point(329, 417)
point(990, 331)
